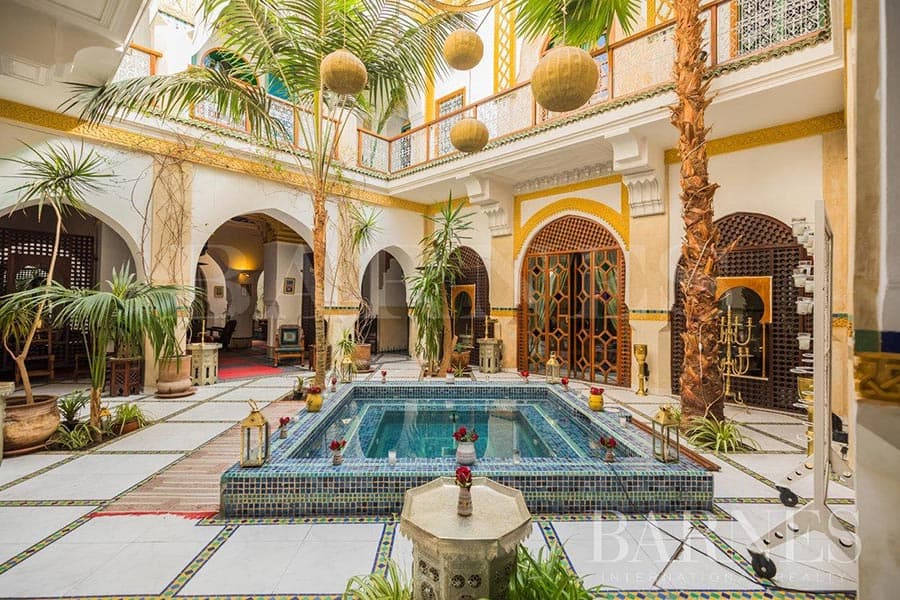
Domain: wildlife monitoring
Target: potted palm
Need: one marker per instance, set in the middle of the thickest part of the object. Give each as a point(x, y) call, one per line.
point(344, 364)
point(132, 310)
point(58, 178)
point(429, 287)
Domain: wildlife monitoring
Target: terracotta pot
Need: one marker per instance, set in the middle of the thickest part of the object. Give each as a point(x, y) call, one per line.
point(174, 377)
point(129, 426)
point(29, 426)
point(313, 402)
point(460, 359)
point(362, 357)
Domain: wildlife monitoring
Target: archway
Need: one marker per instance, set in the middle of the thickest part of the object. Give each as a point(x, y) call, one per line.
point(761, 262)
point(256, 272)
point(470, 325)
point(384, 320)
point(89, 251)
point(573, 302)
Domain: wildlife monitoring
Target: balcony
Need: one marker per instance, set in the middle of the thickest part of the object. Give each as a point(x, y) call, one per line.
point(738, 33)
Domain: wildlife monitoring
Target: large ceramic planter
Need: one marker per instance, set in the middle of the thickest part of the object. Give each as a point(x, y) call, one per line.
point(29, 426)
point(460, 359)
point(313, 402)
point(465, 453)
point(174, 380)
point(6, 388)
point(362, 357)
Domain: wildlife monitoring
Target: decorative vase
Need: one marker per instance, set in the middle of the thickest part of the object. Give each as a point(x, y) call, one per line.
point(595, 402)
point(464, 504)
point(313, 402)
point(450, 379)
point(27, 427)
point(465, 453)
point(337, 457)
point(282, 432)
point(610, 456)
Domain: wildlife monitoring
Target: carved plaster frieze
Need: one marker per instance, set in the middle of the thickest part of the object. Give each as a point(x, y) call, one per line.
point(644, 196)
point(563, 178)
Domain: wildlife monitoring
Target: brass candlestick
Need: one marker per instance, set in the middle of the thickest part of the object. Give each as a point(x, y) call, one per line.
point(736, 337)
point(640, 354)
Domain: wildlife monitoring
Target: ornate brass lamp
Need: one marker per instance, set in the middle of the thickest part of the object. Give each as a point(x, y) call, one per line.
point(346, 369)
point(254, 438)
point(666, 436)
point(640, 354)
point(553, 369)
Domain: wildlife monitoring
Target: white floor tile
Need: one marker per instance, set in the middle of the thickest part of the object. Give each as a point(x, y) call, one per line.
point(19, 466)
point(766, 443)
point(776, 466)
point(231, 412)
point(155, 410)
point(731, 482)
point(320, 567)
point(99, 476)
point(24, 526)
point(169, 436)
point(259, 394)
point(345, 532)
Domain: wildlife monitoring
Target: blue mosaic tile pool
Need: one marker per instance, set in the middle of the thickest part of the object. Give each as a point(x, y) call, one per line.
point(558, 467)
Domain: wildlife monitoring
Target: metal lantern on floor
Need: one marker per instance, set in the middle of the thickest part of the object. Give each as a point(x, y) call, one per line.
point(666, 437)
point(343, 73)
point(564, 79)
point(345, 371)
point(469, 135)
point(553, 374)
point(254, 438)
point(463, 49)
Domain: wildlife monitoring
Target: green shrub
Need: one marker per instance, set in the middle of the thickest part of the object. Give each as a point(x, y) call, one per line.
point(375, 586)
point(71, 404)
point(547, 577)
point(78, 437)
point(126, 412)
point(709, 433)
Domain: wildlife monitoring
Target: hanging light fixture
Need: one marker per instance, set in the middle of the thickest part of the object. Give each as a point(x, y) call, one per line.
point(463, 49)
point(469, 135)
point(564, 79)
point(343, 73)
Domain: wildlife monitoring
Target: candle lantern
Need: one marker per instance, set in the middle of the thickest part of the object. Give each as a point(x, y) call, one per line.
point(254, 438)
point(346, 370)
point(666, 436)
point(553, 369)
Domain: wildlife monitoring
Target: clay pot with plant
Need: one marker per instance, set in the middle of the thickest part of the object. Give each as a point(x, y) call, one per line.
point(128, 417)
point(58, 178)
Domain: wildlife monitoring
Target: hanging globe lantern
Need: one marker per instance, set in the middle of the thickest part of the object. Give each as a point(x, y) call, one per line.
point(469, 135)
point(463, 49)
point(564, 79)
point(343, 73)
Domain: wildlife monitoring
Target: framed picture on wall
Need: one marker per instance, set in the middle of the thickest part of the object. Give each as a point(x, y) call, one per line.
point(218, 291)
point(290, 284)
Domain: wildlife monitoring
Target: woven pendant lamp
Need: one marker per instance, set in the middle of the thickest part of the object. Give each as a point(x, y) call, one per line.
point(463, 49)
point(564, 79)
point(469, 135)
point(343, 73)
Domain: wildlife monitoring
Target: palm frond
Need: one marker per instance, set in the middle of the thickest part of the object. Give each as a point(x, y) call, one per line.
point(582, 21)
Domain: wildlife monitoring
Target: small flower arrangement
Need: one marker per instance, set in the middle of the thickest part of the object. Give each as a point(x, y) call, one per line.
point(313, 389)
point(565, 382)
point(596, 391)
point(464, 435)
point(383, 375)
point(283, 421)
point(524, 375)
point(464, 477)
point(333, 382)
point(608, 442)
point(337, 445)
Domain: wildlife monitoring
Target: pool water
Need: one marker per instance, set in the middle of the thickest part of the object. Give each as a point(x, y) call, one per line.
point(507, 429)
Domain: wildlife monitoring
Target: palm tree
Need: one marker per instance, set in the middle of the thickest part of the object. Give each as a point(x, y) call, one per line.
point(585, 22)
point(440, 266)
point(284, 41)
point(128, 313)
point(59, 178)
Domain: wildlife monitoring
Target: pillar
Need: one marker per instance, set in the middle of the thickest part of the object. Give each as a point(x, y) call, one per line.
point(504, 280)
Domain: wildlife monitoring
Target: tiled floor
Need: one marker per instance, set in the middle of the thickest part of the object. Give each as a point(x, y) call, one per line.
point(130, 518)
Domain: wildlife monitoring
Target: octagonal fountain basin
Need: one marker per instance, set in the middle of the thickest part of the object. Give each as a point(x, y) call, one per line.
point(533, 437)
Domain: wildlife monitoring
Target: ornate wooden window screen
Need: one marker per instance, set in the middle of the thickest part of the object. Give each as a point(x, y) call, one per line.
point(475, 273)
point(765, 247)
point(573, 303)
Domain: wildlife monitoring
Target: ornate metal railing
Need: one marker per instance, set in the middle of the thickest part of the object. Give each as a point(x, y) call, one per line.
point(138, 61)
point(639, 64)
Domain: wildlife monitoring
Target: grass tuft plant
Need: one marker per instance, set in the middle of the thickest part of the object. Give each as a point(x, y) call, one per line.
point(709, 433)
point(392, 585)
point(127, 412)
point(78, 437)
point(547, 577)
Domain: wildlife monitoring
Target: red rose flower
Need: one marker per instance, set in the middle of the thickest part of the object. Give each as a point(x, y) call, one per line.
point(337, 445)
point(313, 389)
point(383, 373)
point(463, 476)
point(284, 420)
point(564, 381)
point(524, 374)
point(596, 391)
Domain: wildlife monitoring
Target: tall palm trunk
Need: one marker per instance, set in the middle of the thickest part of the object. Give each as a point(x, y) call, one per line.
point(701, 380)
point(320, 222)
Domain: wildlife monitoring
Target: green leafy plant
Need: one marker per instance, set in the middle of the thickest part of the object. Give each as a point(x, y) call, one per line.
point(547, 577)
point(392, 585)
point(459, 370)
point(127, 412)
point(70, 405)
point(76, 438)
point(709, 433)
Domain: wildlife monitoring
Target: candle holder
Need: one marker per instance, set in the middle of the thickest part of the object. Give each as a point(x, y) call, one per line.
point(640, 354)
point(735, 336)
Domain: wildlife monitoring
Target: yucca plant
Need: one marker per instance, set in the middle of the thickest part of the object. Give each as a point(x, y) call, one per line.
point(547, 577)
point(392, 585)
point(710, 433)
point(283, 42)
point(70, 405)
point(59, 178)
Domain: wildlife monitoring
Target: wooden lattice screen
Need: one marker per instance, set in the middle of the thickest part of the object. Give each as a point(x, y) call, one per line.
point(573, 302)
point(474, 272)
point(765, 246)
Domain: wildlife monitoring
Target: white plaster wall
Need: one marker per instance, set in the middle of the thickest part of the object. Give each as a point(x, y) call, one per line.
point(217, 307)
point(781, 180)
point(282, 259)
point(112, 251)
point(610, 195)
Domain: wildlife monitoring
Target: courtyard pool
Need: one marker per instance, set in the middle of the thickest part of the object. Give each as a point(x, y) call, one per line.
point(534, 437)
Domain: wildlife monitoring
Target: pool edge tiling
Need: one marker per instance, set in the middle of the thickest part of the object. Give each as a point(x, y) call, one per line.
point(296, 487)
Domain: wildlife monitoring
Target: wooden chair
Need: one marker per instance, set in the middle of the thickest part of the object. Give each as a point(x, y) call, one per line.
point(288, 343)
